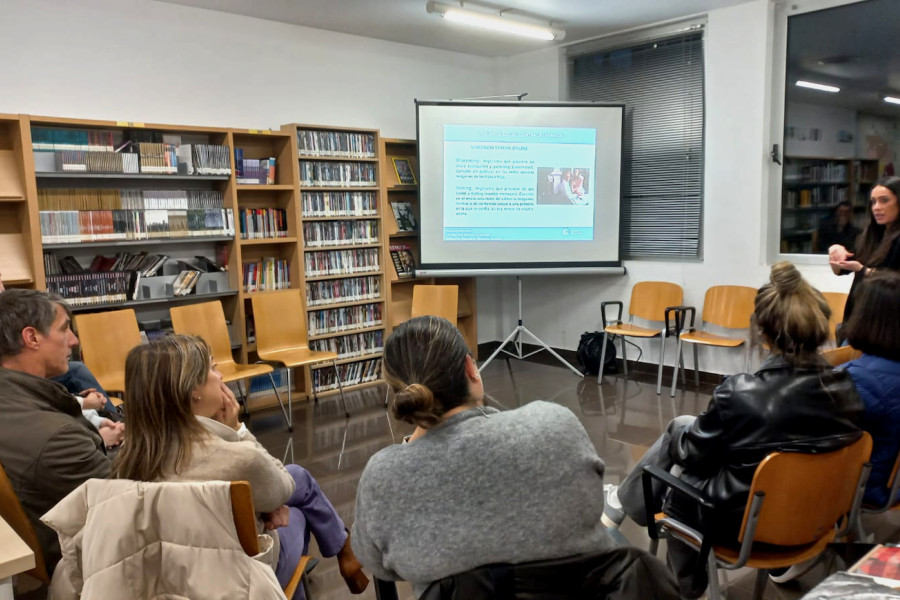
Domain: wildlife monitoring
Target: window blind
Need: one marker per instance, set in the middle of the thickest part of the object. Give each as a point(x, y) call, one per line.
point(661, 84)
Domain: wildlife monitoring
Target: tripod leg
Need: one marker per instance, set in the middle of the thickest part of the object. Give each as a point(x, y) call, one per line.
point(499, 348)
point(602, 358)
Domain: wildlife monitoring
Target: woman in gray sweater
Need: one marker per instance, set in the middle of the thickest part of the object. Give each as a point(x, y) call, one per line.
point(473, 486)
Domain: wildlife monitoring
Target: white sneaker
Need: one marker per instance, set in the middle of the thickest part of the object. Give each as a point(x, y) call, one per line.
point(613, 514)
point(794, 571)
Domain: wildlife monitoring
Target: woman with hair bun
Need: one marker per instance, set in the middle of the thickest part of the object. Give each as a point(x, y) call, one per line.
point(473, 486)
point(794, 402)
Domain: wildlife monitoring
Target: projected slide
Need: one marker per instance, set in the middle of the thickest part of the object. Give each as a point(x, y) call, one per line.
point(507, 183)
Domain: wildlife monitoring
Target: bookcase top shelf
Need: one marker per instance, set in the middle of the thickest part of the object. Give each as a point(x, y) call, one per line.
point(342, 218)
point(264, 241)
point(343, 276)
point(100, 124)
point(54, 175)
point(337, 188)
point(153, 242)
point(146, 301)
point(339, 158)
point(244, 187)
point(342, 247)
point(307, 127)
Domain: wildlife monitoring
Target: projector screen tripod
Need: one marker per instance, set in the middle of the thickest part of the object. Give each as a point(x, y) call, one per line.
point(516, 338)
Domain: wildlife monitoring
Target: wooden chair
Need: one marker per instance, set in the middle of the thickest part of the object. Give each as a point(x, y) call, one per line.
point(650, 301)
point(726, 306)
point(281, 338)
point(12, 512)
point(795, 505)
point(207, 320)
point(840, 355)
point(106, 338)
point(837, 301)
point(436, 300)
point(244, 517)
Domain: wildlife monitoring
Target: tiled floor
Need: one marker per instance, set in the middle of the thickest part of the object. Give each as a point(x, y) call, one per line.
point(623, 419)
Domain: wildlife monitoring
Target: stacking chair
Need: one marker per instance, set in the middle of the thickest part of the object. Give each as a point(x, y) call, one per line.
point(106, 338)
point(244, 517)
point(840, 355)
point(795, 506)
point(436, 300)
point(207, 320)
point(12, 512)
point(281, 338)
point(726, 306)
point(837, 301)
point(650, 301)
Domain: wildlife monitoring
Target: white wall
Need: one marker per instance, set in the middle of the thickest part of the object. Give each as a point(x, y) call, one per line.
point(830, 123)
point(141, 60)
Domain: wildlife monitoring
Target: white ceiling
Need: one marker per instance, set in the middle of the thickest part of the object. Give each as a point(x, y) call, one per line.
point(407, 22)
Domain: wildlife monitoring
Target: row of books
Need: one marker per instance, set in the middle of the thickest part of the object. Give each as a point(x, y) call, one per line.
point(56, 138)
point(313, 142)
point(69, 226)
point(340, 233)
point(337, 174)
point(82, 289)
point(353, 373)
point(342, 262)
point(817, 196)
point(148, 265)
point(819, 172)
point(351, 346)
point(262, 223)
point(403, 259)
point(266, 275)
point(351, 289)
point(150, 158)
point(111, 199)
point(334, 320)
point(338, 204)
point(253, 171)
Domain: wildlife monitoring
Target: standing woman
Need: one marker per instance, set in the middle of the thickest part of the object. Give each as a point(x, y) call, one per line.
point(878, 247)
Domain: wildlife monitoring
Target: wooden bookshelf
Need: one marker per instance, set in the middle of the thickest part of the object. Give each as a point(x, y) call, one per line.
point(342, 247)
point(20, 234)
point(399, 291)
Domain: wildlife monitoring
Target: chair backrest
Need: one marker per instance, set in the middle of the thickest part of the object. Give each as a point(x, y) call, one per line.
point(729, 306)
point(106, 338)
point(12, 512)
point(840, 355)
point(806, 494)
point(436, 300)
point(649, 299)
point(207, 320)
point(836, 301)
point(280, 321)
point(244, 516)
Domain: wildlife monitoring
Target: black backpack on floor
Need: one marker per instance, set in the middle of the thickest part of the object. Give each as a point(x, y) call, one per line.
point(589, 350)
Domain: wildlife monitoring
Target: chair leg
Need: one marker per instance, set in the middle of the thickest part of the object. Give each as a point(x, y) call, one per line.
point(289, 451)
point(602, 359)
point(713, 568)
point(387, 414)
point(290, 406)
point(243, 399)
point(344, 442)
point(759, 588)
point(696, 367)
point(341, 388)
point(654, 547)
point(624, 358)
point(662, 359)
point(678, 350)
point(288, 419)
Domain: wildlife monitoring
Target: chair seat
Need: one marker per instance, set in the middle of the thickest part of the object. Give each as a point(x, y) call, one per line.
point(294, 357)
point(763, 556)
point(710, 339)
point(113, 383)
point(627, 329)
point(233, 371)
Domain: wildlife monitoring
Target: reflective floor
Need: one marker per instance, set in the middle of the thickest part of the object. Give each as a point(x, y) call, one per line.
point(622, 418)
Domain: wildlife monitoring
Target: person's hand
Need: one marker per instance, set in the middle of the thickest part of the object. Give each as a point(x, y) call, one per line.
point(112, 433)
point(837, 253)
point(230, 410)
point(92, 399)
point(280, 517)
point(853, 266)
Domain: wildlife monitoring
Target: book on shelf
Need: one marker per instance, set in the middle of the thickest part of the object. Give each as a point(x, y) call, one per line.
point(313, 142)
point(263, 223)
point(87, 288)
point(338, 204)
point(354, 373)
point(351, 345)
point(404, 261)
point(334, 291)
point(254, 171)
point(403, 214)
point(340, 233)
point(337, 174)
point(336, 320)
point(185, 282)
point(268, 274)
point(342, 262)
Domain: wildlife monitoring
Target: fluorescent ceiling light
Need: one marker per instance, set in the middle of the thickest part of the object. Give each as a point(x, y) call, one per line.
point(818, 86)
point(892, 100)
point(494, 22)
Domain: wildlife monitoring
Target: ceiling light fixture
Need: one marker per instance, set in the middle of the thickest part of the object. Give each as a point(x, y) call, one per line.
point(892, 100)
point(818, 86)
point(497, 21)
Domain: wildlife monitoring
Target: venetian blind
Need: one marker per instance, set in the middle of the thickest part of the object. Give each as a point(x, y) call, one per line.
point(661, 84)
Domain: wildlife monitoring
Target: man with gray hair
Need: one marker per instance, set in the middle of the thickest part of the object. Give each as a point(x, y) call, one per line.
point(47, 448)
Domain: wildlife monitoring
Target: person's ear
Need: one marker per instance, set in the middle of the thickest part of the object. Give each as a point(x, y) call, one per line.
point(472, 369)
point(32, 338)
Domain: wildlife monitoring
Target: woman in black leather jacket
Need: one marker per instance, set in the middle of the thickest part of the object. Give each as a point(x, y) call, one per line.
point(793, 402)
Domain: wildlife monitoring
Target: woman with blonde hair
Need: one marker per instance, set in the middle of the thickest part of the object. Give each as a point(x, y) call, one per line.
point(183, 426)
point(794, 402)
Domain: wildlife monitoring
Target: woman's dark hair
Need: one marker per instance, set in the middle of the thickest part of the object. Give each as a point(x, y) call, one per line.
point(874, 326)
point(424, 363)
point(792, 314)
point(875, 241)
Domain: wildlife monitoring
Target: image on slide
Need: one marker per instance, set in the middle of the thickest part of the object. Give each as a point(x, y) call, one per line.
point(563, 185)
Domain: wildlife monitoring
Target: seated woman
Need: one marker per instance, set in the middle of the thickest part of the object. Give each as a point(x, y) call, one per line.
point(473, 486)
point(793, 402)
point(874, 328)
point(183, 426)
